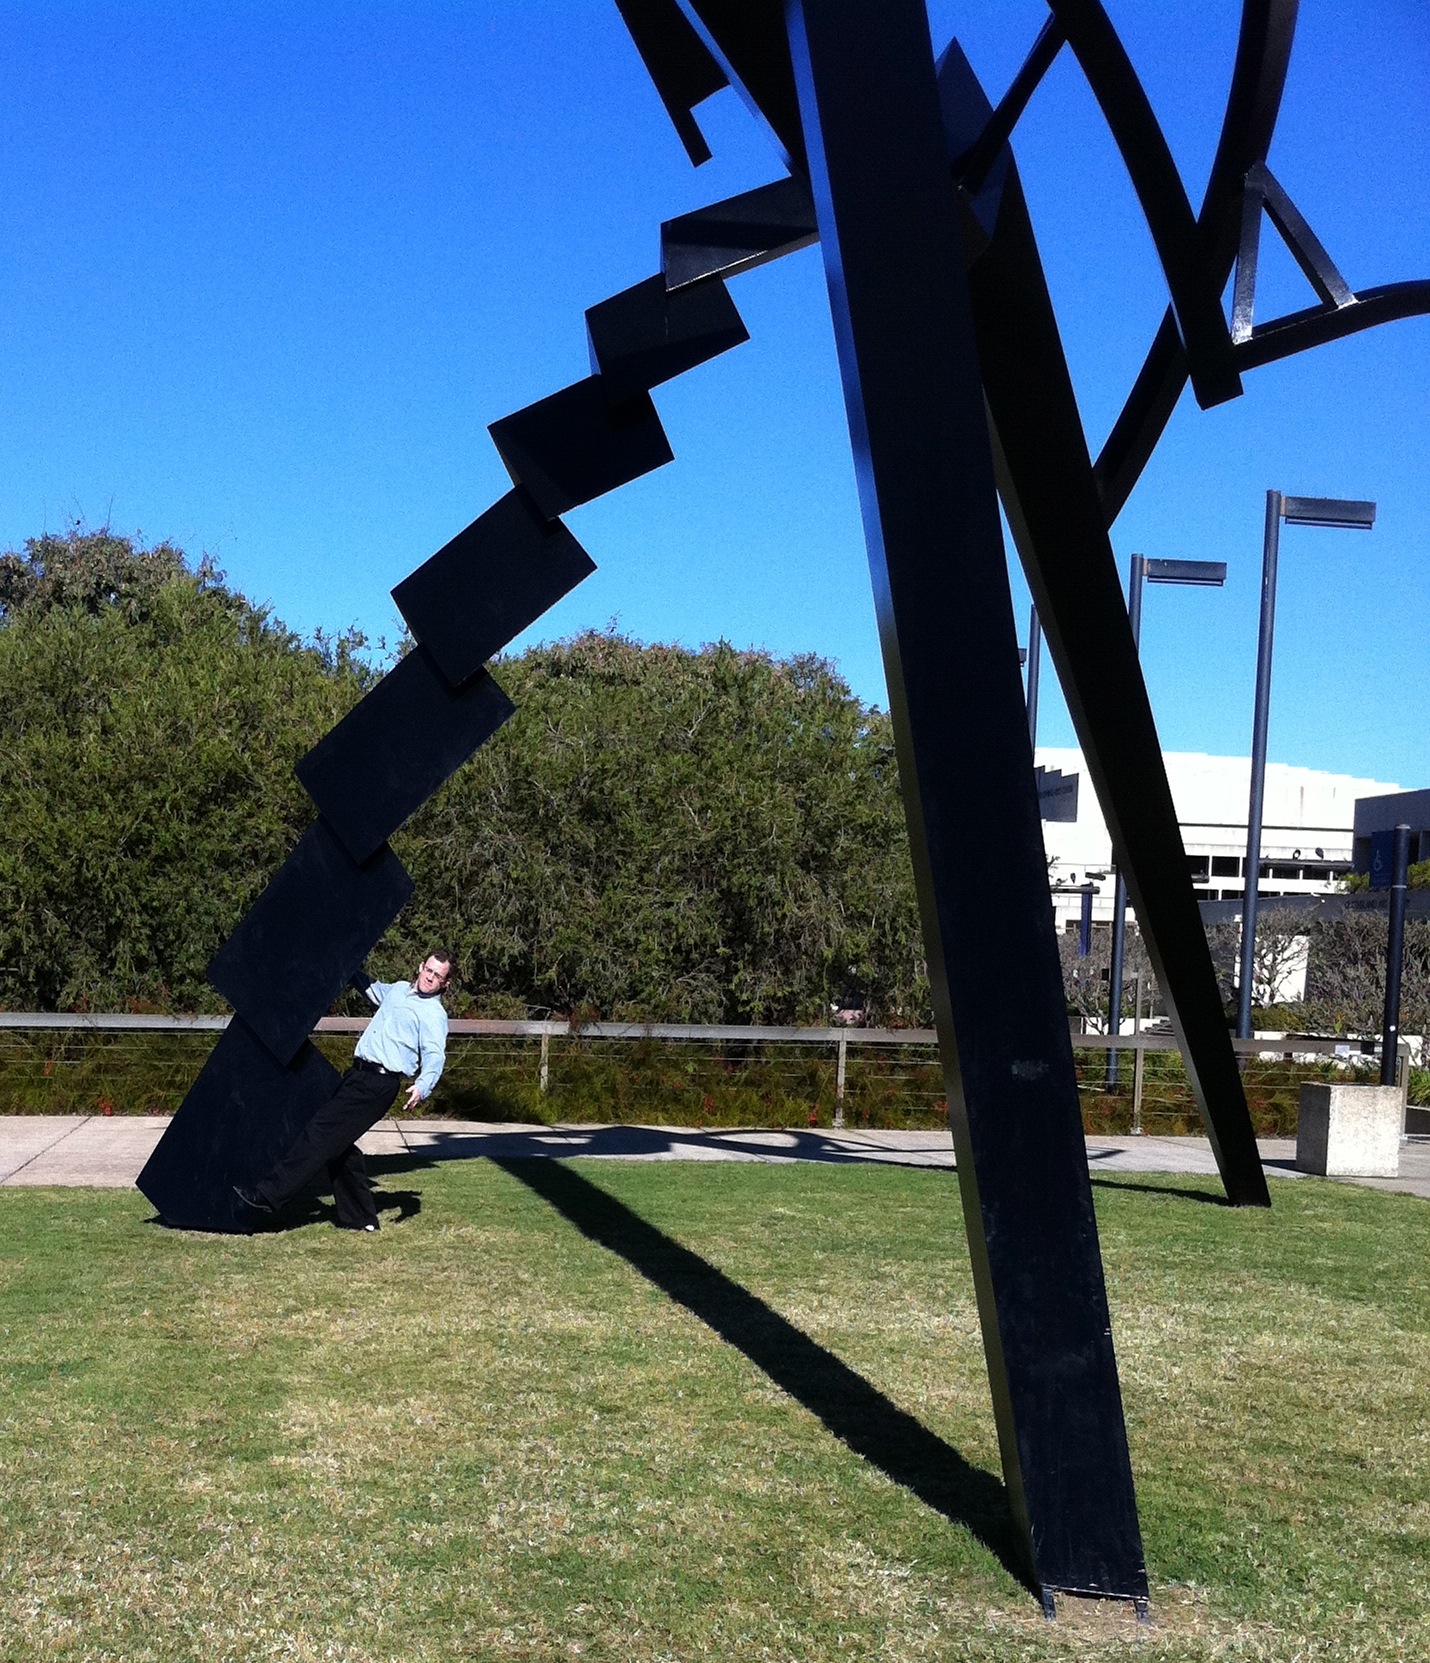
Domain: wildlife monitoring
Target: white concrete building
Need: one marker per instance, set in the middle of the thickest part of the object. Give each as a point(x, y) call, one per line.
point(1306, 838)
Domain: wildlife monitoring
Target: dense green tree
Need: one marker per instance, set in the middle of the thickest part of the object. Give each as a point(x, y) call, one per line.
point(673, 835)
point(657, 833)
point(98, 571)
point(149, 723)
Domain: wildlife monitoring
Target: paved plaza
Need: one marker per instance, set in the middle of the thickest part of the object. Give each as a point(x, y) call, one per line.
point(108, 1151)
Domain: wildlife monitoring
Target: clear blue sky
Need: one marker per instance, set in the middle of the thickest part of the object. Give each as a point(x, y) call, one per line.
point(269, 271)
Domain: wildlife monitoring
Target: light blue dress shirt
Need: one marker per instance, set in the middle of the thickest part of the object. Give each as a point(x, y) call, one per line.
point(408, 1035)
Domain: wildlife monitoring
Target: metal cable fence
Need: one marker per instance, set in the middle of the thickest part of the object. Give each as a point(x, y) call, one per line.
point(514, 1071)
point(1138, 1084)
point(660, 1073)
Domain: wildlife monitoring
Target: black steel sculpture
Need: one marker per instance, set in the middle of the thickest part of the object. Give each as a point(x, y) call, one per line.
point(957, 393)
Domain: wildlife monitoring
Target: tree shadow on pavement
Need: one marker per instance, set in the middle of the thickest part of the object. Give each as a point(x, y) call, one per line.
point(857, 1413)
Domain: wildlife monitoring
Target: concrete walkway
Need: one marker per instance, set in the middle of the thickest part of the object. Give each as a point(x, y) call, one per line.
point(107, 1152)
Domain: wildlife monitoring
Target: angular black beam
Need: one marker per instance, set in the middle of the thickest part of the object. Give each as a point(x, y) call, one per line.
point(677, 62)
point(1264, 196)
point(1196, 297)
point(1318, 324)
point(240, 1115)
point(646, 334)
point(580, 443)
point(972, 168)
point(1046, 481)
point(1258, 79)
point(1319, 269)
point(310, 929)
point(341, 887)
point(478, 592)
point(738, 234)
point(747, 39)
point(888, 220)
point(397, 746)
point(1340, 312)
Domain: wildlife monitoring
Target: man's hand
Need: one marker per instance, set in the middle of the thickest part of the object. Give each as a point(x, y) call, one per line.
point(414, 1097)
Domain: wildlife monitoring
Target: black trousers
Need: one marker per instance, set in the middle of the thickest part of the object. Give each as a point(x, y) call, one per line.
point(330, 1140)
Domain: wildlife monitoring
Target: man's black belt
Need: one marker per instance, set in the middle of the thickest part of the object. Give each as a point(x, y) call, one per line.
point(372, 1067)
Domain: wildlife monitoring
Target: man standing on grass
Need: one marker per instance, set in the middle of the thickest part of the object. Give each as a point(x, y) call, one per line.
point(407, 1036)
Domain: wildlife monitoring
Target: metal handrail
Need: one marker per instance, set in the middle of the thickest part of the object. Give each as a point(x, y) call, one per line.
point(1146, 1039)
point(551, 1028)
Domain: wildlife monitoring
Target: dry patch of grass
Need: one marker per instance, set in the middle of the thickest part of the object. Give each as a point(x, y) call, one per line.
point(483, 1435)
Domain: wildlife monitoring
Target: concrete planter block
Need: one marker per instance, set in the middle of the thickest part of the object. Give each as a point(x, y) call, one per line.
point(1350, 1131)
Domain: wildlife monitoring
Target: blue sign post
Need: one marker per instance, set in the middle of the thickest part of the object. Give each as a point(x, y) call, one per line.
point(1394, 944)
point(1382, 859)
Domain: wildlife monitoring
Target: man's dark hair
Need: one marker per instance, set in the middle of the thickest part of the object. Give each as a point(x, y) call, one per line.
point(441, 954)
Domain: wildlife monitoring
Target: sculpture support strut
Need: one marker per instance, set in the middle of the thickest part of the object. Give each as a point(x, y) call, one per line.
point(1046, 481)
point(920, 346)
point(888, 221)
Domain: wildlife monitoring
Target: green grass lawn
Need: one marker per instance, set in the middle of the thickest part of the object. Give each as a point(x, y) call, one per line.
point(665, 1411)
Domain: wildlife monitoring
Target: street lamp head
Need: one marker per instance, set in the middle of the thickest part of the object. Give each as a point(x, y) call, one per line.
point(1200, 574)
point(1331, 511)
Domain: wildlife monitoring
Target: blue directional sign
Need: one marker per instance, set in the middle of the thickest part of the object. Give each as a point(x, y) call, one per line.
point(1382, 859)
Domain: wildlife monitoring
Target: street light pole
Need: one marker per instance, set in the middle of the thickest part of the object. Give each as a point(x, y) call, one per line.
point(1196, 574)
point(1136, 573)
point(1326, 511)
point(1270, 550)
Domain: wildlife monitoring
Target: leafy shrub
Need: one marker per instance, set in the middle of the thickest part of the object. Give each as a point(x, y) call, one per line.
point(149, 724)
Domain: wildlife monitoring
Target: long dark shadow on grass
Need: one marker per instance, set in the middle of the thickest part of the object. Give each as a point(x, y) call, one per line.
point(873, 1426)
point(1212, 1197)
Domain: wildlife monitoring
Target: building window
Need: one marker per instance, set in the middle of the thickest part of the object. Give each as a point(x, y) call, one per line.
point(1225, 866)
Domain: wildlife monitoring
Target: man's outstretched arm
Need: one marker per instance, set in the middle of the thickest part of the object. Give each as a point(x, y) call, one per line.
point(433, 1055)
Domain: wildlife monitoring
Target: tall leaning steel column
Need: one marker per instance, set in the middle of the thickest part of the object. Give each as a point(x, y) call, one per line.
point(889, 233)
